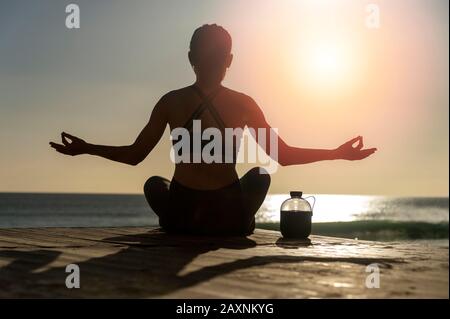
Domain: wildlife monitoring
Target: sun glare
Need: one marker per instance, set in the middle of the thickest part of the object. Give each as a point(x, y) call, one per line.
point(331, 65)
point(326, 63)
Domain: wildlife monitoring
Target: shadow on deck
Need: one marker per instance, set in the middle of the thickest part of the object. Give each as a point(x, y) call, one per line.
point(144, 262)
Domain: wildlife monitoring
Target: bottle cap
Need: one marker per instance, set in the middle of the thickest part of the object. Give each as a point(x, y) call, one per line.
point(296, 194)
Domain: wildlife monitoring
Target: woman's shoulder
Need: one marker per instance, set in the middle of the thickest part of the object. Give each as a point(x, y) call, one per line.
point(239, 98)
point(175, 97)
point(236, 94)
point(176, 93)
point(234, 97)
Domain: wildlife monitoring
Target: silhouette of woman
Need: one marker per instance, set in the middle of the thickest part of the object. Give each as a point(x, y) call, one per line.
point(208, 198)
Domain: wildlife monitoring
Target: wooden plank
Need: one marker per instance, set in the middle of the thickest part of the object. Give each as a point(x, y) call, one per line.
point(144, 262)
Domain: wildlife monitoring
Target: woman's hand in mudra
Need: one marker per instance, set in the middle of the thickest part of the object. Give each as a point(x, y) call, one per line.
point(71, 145)
point(352, 153)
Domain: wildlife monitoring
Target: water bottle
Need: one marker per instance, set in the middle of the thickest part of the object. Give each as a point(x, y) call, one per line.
point(296, 216)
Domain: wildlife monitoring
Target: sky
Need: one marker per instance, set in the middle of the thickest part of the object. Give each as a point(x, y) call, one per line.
point(316, 69)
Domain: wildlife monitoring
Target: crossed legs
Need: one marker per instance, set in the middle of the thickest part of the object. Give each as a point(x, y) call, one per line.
point(254, 186)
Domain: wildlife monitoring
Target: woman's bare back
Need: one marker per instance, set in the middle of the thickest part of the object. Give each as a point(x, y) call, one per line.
point(231, 106)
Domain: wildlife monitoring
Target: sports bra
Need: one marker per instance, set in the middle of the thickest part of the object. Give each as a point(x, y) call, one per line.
point(206, 104)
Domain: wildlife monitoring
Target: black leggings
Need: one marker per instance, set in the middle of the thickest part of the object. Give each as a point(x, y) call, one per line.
point(229, 210)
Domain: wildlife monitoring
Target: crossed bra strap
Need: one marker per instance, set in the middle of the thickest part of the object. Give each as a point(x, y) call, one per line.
point(206, 104)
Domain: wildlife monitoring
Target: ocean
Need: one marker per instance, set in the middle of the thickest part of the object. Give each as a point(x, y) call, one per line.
point(350, 216)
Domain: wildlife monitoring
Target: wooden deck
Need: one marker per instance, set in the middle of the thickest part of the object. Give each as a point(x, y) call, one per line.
point(144, 262)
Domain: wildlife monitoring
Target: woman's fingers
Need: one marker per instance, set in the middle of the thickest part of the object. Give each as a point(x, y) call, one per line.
point(55, 145)
point(60, 148)
point(360, 144)
point(64, 139)
point(371, 150)
point(67, 135)
point(367, 152)
point(352, 141)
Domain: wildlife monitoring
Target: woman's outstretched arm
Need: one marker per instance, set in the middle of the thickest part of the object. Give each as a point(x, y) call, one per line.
point(129, 154)
point(289, 155)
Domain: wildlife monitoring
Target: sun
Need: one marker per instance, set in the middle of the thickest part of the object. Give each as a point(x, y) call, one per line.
point(324, 67)
point(326, 63)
